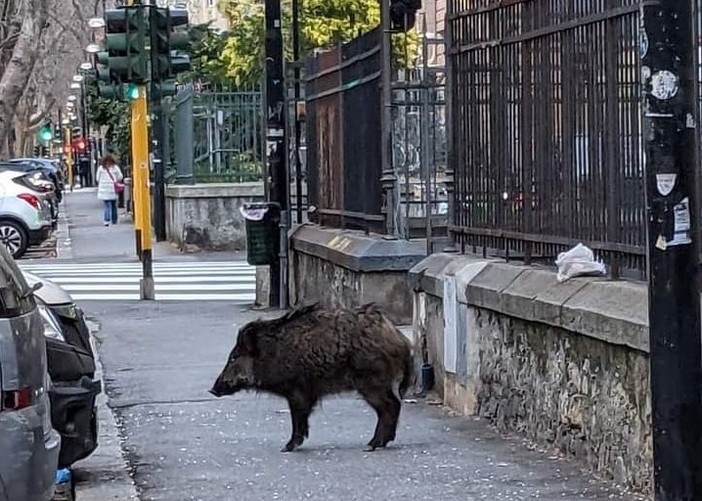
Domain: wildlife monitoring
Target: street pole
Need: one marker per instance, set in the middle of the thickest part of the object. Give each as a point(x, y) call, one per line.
point(667, 51)
point(389, 177)
point(69, 156)
point(296, 155)
point(276, 154)
point(140, 169)
point(158, 142)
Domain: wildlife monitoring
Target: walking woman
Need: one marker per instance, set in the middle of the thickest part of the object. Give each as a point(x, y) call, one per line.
point(109, 180)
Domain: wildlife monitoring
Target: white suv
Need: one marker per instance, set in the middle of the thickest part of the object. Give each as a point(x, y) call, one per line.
point(25, 214)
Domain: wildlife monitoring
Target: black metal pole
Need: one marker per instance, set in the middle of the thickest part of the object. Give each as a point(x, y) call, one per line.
point(276, 144)
point(157, 143)
point(667, 48)
point(296, 57)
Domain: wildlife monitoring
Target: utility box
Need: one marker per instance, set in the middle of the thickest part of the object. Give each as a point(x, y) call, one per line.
point(262, 232)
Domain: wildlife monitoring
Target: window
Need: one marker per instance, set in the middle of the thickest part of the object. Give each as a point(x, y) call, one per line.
point(15, 294)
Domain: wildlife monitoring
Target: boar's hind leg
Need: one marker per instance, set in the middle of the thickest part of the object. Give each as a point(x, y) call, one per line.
point(387, 407)
point(300, 410)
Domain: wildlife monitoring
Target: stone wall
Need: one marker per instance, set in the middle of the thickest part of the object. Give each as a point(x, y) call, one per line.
point(565, 364)
point(344, 268)
point(207, 217)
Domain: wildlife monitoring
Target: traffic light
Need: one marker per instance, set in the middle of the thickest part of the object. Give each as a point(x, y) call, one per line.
point(107, 82)
point(166, 43)
point(403, 14)
point(127, 34)
point(46, 133)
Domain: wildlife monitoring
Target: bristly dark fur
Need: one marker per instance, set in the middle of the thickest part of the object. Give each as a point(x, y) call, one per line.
point(311, 352)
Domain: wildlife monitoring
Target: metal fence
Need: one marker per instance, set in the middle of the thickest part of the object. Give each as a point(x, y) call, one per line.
point(218, 135)
point(343, 103)
point(418, 135)
point(545, 129)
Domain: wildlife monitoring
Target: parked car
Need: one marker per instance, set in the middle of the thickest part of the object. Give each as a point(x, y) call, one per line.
point(29, 444)
point(50, 167)
point(36, 180)
point(72, 370)
point(25, 215)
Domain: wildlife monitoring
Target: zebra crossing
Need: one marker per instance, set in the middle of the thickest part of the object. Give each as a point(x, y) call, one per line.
point(173, 281)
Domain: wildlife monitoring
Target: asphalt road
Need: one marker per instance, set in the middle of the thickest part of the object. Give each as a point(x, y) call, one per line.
point(182, 444)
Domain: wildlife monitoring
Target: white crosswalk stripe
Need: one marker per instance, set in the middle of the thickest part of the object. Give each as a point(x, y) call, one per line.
point(174, 281)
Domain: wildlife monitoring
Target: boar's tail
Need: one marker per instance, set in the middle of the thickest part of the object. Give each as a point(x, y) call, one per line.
point(408, 375)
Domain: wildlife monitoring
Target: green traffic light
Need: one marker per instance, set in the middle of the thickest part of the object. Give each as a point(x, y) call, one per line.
point(46, 134)
point(132, 92)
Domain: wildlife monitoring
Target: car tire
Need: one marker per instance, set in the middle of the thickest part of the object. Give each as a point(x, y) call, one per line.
point(14, 237)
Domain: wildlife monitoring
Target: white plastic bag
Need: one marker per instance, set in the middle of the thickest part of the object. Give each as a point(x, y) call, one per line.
point(577, 262)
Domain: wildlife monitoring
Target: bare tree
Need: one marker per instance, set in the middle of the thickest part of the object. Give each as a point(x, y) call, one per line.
point(16, 74)
point(60, 53)
point(57, 50)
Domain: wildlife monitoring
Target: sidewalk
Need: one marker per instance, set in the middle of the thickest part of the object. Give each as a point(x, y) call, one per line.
point(91, 241)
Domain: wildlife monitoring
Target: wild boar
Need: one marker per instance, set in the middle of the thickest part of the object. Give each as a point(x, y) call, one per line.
point(312, 352)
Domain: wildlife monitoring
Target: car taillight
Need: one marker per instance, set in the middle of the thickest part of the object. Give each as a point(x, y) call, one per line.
point(15, 400)
point(31, 200)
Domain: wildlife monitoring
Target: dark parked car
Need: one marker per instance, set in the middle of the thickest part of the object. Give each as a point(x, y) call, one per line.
point(71, 365)
point(48, 167)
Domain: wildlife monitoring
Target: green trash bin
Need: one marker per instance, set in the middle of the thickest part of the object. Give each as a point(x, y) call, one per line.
point(262, 232)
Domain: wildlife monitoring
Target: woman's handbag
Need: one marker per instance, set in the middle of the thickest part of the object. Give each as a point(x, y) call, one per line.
point(119, 186)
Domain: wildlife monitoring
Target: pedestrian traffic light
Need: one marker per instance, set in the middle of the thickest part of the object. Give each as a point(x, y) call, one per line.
point(167, 41)
point(126, 45)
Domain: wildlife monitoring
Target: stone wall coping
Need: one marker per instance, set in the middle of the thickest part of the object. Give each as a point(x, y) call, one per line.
point(355, 250)
point(215, 190)
point(615, 312)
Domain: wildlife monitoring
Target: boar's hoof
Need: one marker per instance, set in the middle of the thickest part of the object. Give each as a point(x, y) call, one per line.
point(373, 445)
point(292, 444)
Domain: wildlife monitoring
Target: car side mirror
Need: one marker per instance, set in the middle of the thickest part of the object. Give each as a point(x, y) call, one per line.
point(33, 289)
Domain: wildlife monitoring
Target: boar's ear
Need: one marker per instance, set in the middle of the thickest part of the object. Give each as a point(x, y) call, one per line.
point(248, 339)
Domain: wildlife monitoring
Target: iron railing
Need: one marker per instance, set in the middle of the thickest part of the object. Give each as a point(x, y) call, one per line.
point(545, 129)
point(218, 134)
point(418, 136)
point(344, 135)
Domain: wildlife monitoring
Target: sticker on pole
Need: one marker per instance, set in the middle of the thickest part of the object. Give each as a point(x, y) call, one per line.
point(254, 212)
point(681, 224)
point(665, 183)
point(664, 85)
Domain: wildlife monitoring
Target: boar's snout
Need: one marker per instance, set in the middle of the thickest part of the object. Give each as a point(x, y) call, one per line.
point(217, 388)
point(237, 375)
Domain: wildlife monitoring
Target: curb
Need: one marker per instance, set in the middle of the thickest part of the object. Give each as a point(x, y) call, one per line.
point(64, 248)
point(104, 475)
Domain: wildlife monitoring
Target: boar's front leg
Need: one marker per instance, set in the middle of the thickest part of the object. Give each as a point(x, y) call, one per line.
point(300, 409)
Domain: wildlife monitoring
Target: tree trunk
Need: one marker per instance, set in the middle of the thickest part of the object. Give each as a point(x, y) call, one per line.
point(34, 15)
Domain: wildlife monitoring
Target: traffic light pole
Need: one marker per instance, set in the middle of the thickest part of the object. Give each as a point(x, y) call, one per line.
point(157, 140)
point(276, 145)
point(140, 168)
point(69, 156)
point(669, 100)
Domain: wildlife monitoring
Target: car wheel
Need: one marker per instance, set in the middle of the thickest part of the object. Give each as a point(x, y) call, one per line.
point(14, 238)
